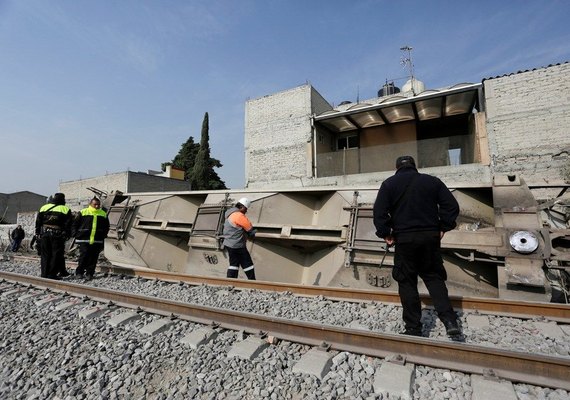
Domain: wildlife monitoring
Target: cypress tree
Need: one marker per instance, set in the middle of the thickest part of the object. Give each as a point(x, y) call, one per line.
point(185, 158)
point(196, 162)
point(203, 175)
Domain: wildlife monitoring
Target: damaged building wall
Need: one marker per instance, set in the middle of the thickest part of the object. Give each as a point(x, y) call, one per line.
point(528, 123)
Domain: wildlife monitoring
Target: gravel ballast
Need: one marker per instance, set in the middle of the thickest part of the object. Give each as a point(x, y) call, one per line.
point(55, 354)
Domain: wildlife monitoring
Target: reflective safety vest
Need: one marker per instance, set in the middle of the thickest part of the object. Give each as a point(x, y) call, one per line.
point(53, 216)
point(236, 228)
point(92, 226)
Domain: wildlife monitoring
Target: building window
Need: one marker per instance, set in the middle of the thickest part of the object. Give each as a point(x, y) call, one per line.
point(454, 156)
point(347, 142)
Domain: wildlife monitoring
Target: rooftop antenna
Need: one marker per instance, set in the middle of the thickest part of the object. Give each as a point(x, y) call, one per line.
point(406, 61)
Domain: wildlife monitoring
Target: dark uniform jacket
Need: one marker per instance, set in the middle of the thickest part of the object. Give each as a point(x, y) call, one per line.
point(91, 226)
point(56, 217)
point(18, 234)
point(428, 204)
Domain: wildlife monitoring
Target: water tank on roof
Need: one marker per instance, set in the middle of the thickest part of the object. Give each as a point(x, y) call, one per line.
point(413, 85)
point(387, 89)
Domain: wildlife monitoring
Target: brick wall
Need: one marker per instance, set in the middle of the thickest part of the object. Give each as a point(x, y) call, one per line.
point(528, 123)
point(278, 136)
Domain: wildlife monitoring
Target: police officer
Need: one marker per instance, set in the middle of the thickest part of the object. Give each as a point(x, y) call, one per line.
point(90, 230)
point(237, 228)
point(413, 211)
point(53, 227)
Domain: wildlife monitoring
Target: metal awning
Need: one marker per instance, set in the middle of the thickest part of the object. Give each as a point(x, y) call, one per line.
point(430, 104)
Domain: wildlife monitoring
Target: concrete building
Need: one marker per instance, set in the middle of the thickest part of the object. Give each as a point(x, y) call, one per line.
point(22, 207)
point(517, 123)
point(78, 192)
point(19, 208)
point(19, 202)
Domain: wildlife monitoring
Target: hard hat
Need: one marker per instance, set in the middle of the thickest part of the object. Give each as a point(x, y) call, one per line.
point(244, 201)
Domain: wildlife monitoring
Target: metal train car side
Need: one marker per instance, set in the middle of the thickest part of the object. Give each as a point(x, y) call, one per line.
point(506, 244)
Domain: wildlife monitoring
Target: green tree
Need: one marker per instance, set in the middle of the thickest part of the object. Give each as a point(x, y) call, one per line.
point(203, 175)
point(196, 162)
point(185, 158)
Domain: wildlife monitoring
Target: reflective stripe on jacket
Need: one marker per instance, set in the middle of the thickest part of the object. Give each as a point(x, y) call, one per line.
point(58, 216)
point(91, 226)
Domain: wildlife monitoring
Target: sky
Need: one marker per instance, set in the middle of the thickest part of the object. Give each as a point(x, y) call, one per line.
point(89, 88)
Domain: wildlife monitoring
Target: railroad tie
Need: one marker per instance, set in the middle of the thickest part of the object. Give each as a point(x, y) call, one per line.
point(29, 296)
point(199, 337)
point(485, 389)
point(68, 304)
point(550, 330)
point(158, 326)
point(123, 318)
point(478, 321)
point(314, 362)
point(394, 379)
point(92, 312)
point(248, 349)
point(50, 298)
point(12, 292)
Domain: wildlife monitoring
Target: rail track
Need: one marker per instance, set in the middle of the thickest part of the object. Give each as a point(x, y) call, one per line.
point(516, 366)
point(517, 309)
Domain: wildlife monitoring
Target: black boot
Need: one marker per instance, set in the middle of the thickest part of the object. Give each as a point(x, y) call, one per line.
point(452, 328)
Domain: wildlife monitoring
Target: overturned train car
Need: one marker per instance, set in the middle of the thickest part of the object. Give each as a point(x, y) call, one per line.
point(506, 244)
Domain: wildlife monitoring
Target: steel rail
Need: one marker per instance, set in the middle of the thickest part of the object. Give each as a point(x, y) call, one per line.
point(541, 370)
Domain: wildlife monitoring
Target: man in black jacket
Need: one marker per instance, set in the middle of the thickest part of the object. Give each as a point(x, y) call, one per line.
point(90, 230)
point(53, 226)
point(413, 211)
point(17, 235)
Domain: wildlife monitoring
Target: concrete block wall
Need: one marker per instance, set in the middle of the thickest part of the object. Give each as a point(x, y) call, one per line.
point(28, 222)
point(141, 182)
point(11, 205)
point(528, 123)
point(77, 195)
point(5, 238)
point(278, 137)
